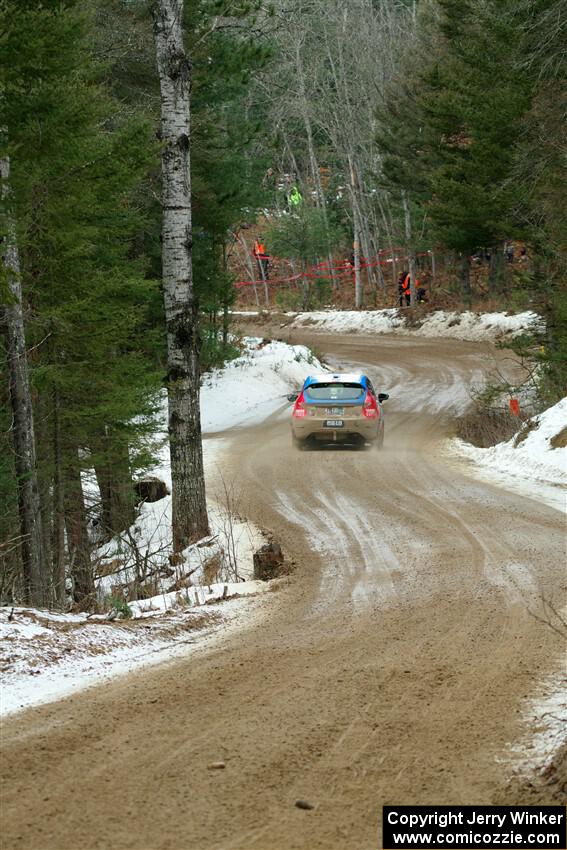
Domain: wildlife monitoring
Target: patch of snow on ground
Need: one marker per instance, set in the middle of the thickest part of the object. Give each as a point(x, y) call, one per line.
point(531, 464)
point(232, 543)
point(351, 321)
point(66, 658)
point(46, 655)
point(441, 323)
point(546, 727)
point(255, 385)
point(478, 326)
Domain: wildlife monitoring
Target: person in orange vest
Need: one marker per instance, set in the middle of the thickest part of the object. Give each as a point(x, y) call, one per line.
point(404, 289)
point(262, 259)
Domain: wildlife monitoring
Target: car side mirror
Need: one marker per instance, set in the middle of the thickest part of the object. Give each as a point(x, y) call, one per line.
point(292, 396)
point(383, 397)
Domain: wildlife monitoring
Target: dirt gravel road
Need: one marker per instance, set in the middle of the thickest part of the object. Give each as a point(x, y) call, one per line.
point(394, 667)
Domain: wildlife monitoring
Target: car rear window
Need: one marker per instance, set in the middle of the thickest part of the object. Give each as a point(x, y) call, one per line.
point(334, 391)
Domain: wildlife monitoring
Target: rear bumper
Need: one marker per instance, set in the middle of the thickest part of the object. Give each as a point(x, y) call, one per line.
point(367, 429)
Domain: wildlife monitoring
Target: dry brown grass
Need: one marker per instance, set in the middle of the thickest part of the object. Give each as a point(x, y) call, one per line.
point(212, 568)
point(415, 316)
point(526, 429)
point(487, 428)
point(560, 440)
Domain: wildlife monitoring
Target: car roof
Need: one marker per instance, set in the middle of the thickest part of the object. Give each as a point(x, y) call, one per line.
point(339, 377)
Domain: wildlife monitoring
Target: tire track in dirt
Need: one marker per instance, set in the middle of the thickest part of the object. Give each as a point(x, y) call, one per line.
point(392, 668)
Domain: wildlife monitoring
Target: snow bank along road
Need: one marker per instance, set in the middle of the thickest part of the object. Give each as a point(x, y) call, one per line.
point(396, 667)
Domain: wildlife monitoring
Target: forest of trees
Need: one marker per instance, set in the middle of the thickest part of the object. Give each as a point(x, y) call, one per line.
point(435, 125)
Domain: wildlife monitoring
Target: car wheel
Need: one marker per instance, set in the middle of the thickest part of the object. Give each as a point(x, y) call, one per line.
point(297, 443)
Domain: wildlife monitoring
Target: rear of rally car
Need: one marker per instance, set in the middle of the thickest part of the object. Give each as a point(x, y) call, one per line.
point(337, 408)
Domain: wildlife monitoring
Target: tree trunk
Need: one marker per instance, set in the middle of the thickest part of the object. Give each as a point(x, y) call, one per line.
point(495, 269)
point(58, 543)
point(225, 325)
point(365, 238)
point(265, 282)
point(306, 300)
point(77, 532)
point(358, 291)
point(114, 480)
point(314, 165)
point(25, 462)
point(292, 160)
point(410, 248)
point(375, 253)
point(249, 265)
point(365, 244)
point(189, 507)
point(388, 230)
point(225, 302)
point(465, 279)
point(43, 432)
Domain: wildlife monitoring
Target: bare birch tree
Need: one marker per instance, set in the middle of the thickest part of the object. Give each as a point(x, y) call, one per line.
point(32, 553)
point(189, 507)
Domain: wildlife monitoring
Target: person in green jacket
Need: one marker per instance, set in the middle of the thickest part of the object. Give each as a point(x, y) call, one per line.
point(295, 197)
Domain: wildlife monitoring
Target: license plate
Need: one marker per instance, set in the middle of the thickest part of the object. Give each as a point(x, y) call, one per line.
point(334, 423)
point(335, 411)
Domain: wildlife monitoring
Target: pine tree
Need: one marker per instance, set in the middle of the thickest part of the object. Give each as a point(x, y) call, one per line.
point(539, 170)
point(451, 125)
point(228, 164)
point(24, 444)
point(76, 163)
point(473, 104)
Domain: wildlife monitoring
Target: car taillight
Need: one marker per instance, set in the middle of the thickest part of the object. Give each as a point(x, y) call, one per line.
point(299, 410)
point(370, 408)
